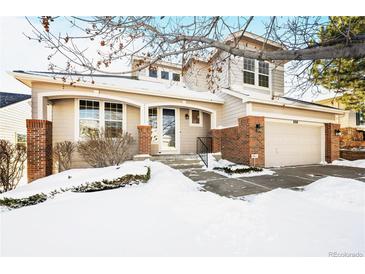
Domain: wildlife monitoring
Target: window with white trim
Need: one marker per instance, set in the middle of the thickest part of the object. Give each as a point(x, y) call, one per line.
point(89, 116)
point(196, 118)
point(152, 120)
point(113, 119)
point(263, 74)
point(20, 138)
point(165, 75)
point(249, 71)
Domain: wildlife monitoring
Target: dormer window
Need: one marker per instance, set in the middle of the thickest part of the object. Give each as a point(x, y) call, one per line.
point(249, 71)
point(176, 77)
point(165, 75)
point(263, 74)
point(152, 72)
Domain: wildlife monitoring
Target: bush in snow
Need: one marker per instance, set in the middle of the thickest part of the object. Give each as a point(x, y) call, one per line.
point(116, 183)
point(12, 158)
point(128, 179)
point(17, 203)
point(62, 153)
point(101, 149)
point(230, 170)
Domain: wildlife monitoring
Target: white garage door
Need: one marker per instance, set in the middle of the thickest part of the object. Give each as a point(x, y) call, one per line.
point(288, 144)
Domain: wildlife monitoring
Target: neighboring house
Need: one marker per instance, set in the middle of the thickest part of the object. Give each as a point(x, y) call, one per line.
point(242, 107)
point(353, 119)
point(352, 129)
point(15, 108)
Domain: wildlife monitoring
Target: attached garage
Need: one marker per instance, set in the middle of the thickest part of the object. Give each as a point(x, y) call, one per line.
point(289, 143)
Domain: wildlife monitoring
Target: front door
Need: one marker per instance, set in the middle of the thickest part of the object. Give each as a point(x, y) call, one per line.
point(169, 131)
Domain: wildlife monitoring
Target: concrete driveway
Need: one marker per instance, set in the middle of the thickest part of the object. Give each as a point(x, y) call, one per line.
point(287, 177)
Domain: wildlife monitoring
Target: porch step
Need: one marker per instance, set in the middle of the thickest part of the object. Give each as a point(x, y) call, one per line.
point(181, 162)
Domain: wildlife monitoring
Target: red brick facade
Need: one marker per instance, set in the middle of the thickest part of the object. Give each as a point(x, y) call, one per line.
point(352, 154)
point(39, 149)
point(216, 135)
point(144, 139)
point(253, 131)
point(332, 142)
point(237, 144)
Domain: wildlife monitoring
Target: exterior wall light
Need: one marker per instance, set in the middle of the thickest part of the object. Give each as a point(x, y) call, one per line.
point(186, 116)
point(258, 127)
point(337, 132)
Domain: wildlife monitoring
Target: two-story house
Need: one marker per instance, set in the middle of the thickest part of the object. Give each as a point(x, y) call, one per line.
point(238, 102)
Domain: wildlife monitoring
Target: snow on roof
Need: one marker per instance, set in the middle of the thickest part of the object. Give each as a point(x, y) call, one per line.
point(124, 83)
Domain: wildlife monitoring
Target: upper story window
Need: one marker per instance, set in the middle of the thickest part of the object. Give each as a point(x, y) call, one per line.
point(113, 119)
point(263, 74)
point(249, 71)
point(256, 73)
point(165, 75)
point(152, 72)
point(360, 118)
point(176, 77)
point(89, 116)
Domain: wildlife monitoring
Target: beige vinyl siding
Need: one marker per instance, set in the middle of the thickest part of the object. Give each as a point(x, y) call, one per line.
point(196, 76)
point(277, 75)
point(139, 98)
point(189, 134)
point(13, 120)
point(63, 126)
point(279, 112)
point(133, 121)
point(232, 110)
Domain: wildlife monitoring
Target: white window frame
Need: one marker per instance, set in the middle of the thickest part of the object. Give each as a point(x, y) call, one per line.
point(256, 73)
point(101, 115)
point(191, 118)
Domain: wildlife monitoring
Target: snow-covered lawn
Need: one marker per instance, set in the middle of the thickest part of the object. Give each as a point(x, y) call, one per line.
point(170, 216)
point(356, 163)
point(213, 163)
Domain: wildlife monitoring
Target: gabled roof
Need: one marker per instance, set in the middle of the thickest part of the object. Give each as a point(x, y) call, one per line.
point(119, 83)
point(8, 98)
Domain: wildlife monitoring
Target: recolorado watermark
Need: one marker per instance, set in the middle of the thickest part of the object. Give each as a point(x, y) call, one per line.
point(345, 254)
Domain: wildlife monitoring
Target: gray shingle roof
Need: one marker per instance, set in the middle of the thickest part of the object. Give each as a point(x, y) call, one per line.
point(7, 98)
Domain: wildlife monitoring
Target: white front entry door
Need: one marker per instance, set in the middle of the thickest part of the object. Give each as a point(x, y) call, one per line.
point(169, 131)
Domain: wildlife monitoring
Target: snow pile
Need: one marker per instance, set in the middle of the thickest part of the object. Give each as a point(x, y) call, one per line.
point(74, 177)
point(169, 216)
point(213, 163)
point(356, 163)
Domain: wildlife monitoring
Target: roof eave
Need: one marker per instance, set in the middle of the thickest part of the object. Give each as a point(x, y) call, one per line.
point(27, 78)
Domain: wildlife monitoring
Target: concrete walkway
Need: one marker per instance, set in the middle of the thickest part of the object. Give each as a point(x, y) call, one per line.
point(288, 177)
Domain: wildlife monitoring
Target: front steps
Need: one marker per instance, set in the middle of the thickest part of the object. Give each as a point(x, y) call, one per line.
point(180, 161)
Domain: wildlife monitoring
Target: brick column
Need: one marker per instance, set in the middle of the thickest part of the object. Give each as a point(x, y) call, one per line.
point(332, 142)
point(39, 149)
point(144, 139)
point(253, 139)
point(216, 135)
